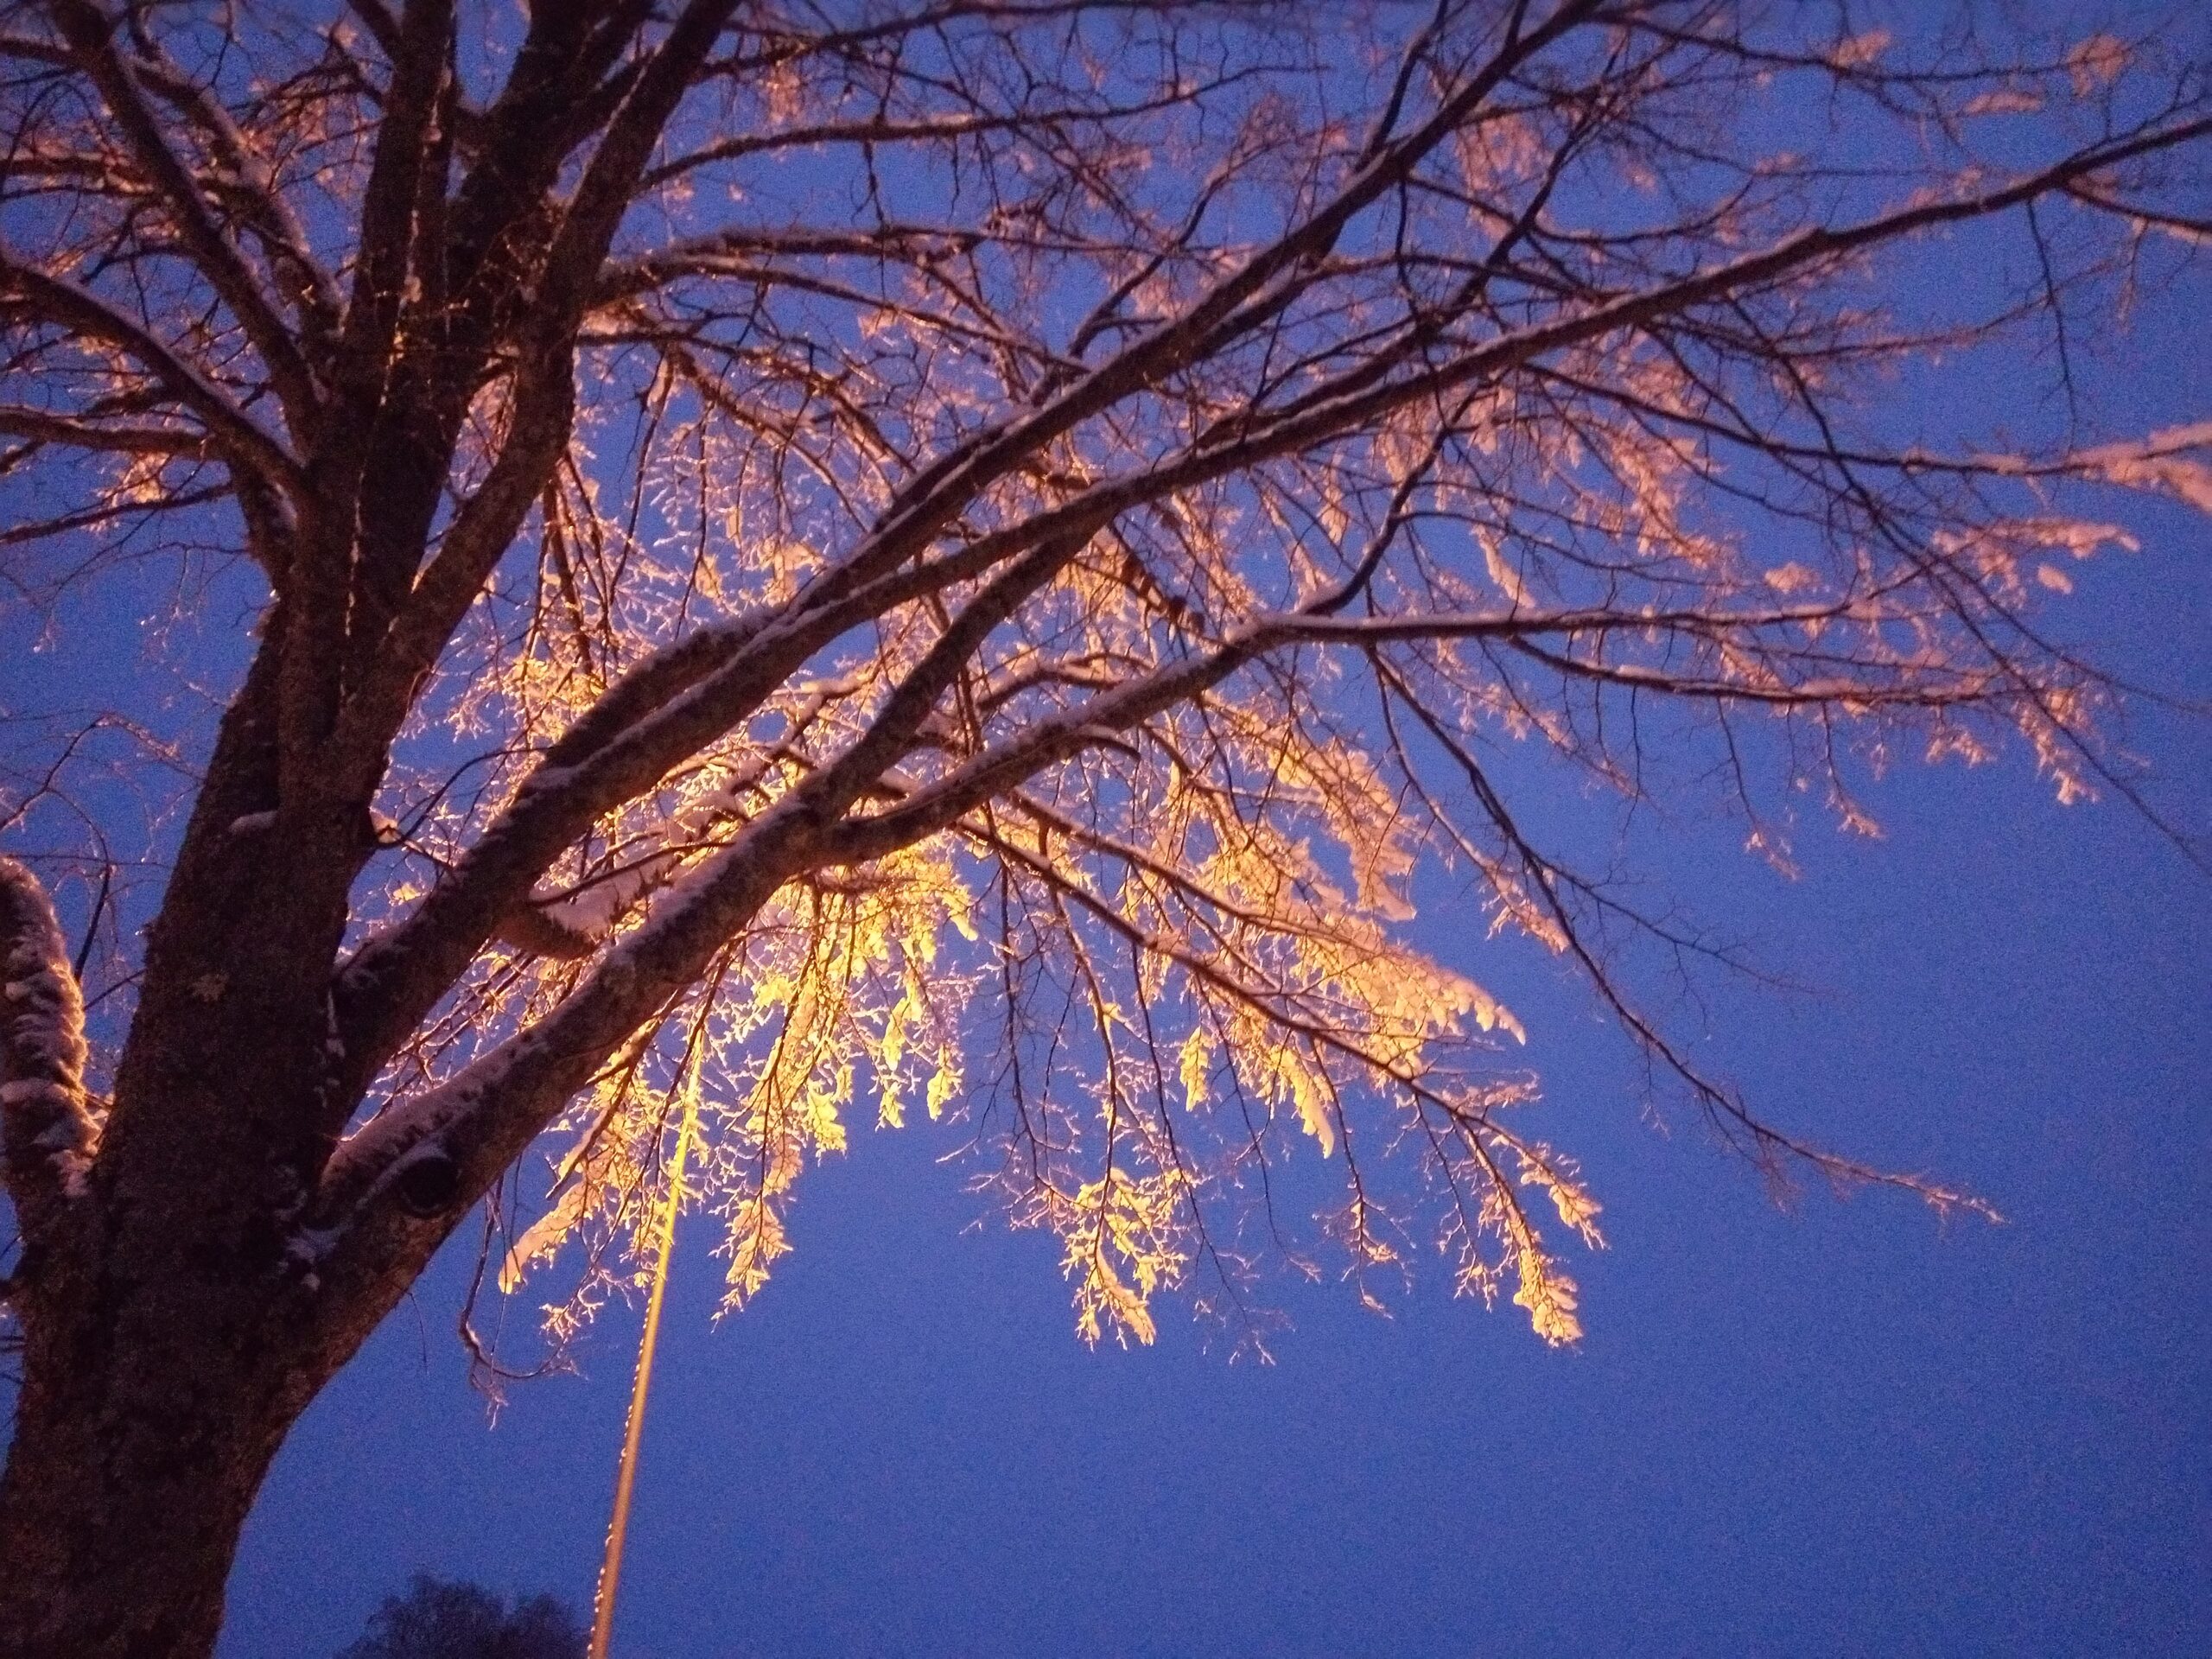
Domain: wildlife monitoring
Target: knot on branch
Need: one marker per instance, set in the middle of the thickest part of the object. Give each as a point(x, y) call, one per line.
point(428, 1183)
point(533, 928)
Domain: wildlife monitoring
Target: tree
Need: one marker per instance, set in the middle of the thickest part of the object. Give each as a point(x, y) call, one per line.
point(451, 1618)
point(965, 556)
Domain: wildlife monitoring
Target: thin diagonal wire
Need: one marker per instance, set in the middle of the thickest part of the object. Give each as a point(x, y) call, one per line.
point(610, 1570)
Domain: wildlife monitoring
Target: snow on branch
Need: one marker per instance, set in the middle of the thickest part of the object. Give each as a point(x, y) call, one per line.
point(50, 1133)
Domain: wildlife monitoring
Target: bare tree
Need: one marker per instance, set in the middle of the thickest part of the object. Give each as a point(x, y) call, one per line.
point(960, 554)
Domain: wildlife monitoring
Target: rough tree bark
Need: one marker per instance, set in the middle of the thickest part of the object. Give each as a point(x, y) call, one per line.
point(169, 1340)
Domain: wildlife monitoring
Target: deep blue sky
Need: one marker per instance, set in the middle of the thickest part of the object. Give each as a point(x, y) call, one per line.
point(1838, 1429)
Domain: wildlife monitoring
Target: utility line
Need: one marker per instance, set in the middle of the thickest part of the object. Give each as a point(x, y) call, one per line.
point(610, 1570)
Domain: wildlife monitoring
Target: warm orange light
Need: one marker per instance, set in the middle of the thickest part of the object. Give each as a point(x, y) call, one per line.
point(610, 1571)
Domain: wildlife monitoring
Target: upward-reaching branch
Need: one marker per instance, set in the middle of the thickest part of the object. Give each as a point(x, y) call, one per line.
point(89, 32)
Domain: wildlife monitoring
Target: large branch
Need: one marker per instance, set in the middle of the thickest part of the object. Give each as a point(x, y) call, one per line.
point(395, 1191)
point(331, 584)
point(544, 400)
point(666, 711)
point(49, 1136)
point(43, 426)
point(387, 234)
point(480, 1120)
point(441, 283)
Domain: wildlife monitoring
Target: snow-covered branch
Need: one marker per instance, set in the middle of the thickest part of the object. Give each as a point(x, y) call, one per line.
point(50, 1136)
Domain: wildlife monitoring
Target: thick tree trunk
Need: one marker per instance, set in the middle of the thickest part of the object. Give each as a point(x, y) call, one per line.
point(170, 1338)
point(166, 1357)
point(169, 1345)
point(130, 1475)
point(118, 1548)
